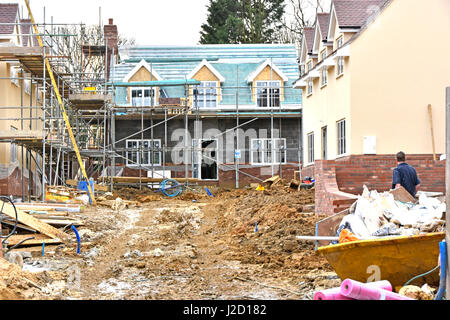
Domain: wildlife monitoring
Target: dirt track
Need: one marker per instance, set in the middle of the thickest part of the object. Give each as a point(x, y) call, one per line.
point(194, 247)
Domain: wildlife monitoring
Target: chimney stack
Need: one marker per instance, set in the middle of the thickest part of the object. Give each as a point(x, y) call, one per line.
point(111, 36)
point(111, 40)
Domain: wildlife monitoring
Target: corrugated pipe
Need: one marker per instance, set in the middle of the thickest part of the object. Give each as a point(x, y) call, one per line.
point(443, 252)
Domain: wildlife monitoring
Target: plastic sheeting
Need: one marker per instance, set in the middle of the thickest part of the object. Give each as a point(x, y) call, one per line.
point(380, 215)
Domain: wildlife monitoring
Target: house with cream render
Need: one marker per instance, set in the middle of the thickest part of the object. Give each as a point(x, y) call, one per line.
point(373, 79)
point(17, 93)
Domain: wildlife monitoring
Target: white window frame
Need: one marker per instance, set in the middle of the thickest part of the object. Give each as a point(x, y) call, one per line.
point(310, 87)
point(340, 42)
point(310, 139)
point(323, 54)
point(269, 85)
point(340, 60)
point(324, 76)
point(142, 100)
point(341, 137)
point(265, 151)
point(340, 66)
point(202, 99)
point(324, 138)
point(136, 152)
point(310, 66)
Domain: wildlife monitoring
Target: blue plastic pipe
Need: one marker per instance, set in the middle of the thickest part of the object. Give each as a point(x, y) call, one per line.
point(78, 239)
point(443, 252)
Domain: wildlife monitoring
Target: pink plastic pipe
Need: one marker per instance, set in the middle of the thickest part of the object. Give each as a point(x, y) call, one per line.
point(335, 293)
point(360, 291)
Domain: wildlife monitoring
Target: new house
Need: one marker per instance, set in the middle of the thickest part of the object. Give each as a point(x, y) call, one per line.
point(20, 98)
point(374, 74)
point(207, 112)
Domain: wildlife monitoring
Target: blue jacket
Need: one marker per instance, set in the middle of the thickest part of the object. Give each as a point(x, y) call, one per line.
point(406, 176)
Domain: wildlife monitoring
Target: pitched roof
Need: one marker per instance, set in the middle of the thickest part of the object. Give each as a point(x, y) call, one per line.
point(354, 13)
point(206, 64)
point(251, 77)
point(234, 62)
point(25, 30)
point(308, 33)
point(324, 20)
point(8, 14)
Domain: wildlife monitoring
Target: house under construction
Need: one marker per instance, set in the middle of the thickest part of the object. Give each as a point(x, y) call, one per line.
point(217, 114)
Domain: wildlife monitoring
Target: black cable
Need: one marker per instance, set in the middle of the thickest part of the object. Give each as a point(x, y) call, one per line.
point(18, 244)
point(17, 218)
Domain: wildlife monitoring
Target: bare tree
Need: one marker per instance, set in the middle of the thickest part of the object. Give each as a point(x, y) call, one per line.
point(299, 15)
point(87, 67)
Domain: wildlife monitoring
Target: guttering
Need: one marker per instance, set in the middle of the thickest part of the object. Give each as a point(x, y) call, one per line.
point(163, 83)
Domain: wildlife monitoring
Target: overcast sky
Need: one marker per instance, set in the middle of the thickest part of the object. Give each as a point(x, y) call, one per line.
point(155, 22)
point(150, 22)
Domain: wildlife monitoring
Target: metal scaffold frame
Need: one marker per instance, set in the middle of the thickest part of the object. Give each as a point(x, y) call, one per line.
point(78, 126)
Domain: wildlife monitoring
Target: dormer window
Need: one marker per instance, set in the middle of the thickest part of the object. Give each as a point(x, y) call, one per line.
point(323, 55)
point(268, 93)
point(205, 95)
point(310, 66)
point(141, 97)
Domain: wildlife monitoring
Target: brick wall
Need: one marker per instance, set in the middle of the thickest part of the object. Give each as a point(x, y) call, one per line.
point(345, 177)
point(353, 172)
point(227, 176)
point(326, 187)
point(12, 185)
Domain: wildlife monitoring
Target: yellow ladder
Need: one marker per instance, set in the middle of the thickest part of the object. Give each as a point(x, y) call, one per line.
point(61, 104)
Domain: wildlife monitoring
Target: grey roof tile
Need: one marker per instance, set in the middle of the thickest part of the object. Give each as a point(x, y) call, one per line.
point(8, 14)
point(324, 20)
point(354, 13)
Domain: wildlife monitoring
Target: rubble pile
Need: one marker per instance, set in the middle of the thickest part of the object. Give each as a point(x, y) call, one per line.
point(379, 215)
point(263, 226)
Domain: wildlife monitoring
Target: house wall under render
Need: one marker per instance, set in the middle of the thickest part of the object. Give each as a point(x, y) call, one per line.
point(214, 129)
point(252, 83)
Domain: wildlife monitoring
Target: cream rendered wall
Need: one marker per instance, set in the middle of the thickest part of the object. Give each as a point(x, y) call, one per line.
point(10, 95)
point(399, 65)
point(324, 107)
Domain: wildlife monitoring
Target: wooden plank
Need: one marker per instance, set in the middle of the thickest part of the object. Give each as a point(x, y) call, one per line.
point(432, 132)
point(148, 180)
point(46, 204)
point(51, 214)
point(400, 194)
point(39, 239)
point(20, 134)
point(62, 223)
point(16, 51)
point(32, 222)
point(328, 226)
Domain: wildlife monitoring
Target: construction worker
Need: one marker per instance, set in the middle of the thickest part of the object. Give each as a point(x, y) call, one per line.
point(405, 175)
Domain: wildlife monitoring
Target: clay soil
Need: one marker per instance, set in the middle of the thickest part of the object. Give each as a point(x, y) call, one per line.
point(239, 244)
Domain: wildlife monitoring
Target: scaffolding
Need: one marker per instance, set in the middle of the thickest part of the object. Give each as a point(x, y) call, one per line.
point(90, 104)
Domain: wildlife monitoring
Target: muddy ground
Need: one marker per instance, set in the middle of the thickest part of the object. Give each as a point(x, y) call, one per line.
point(239, 244)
